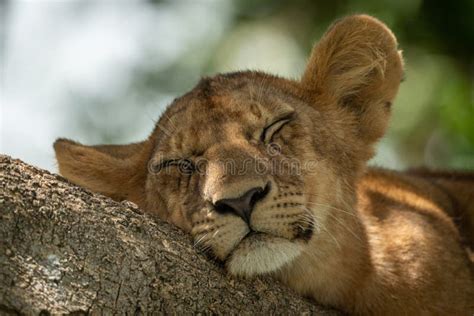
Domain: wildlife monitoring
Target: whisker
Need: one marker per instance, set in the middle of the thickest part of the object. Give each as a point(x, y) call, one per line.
point(333, 237)
point(310, 254)
point(206, 249)
point(313, 218)
point(198, 241)
point(163, 129)
point(215, 234)
point(205, 230)
point(261, 88)
point(347, 228)
point(171, 122)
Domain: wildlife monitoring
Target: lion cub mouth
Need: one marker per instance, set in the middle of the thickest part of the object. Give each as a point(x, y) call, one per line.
point(261, 253)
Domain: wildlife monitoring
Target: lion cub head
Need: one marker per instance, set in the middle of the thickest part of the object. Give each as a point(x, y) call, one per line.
point(253, 165)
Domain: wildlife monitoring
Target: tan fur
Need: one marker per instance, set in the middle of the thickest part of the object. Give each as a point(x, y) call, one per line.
point(367, 241)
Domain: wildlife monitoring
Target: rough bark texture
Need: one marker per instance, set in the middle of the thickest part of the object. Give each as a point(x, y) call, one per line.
point(66, 250)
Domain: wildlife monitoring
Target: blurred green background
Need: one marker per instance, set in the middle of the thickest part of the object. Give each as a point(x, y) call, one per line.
point(103, 71)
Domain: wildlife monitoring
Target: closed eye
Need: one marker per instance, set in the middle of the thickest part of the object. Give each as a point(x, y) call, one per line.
point(275, 127)
point(185, 166)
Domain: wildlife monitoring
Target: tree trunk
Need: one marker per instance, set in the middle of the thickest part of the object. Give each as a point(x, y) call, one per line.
point(66, 250)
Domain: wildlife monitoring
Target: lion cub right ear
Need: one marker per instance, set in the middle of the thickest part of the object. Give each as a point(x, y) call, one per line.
point(356, 66)
point(118, 171)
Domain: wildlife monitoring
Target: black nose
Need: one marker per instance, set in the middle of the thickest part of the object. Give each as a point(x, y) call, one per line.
point(243, 205)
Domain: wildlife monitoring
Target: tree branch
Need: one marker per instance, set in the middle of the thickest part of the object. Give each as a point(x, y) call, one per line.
point(65, 250)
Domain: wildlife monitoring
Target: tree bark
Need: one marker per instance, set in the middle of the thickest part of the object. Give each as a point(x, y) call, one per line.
point(66, 250)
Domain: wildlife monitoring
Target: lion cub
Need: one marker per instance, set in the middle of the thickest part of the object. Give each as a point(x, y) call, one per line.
point(269, 176)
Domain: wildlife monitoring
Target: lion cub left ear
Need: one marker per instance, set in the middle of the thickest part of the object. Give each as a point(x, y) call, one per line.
point(356, 65)
point(117, 171)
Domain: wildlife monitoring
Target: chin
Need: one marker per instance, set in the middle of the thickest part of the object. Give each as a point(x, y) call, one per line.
point(261, 253)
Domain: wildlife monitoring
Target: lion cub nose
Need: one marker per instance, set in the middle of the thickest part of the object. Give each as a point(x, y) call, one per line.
point(243, 205)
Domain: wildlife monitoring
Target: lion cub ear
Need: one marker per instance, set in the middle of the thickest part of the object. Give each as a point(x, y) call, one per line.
point(357, 65)
point(118, 171)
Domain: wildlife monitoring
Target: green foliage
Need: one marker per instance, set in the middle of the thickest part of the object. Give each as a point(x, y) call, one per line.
point(433, 118)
